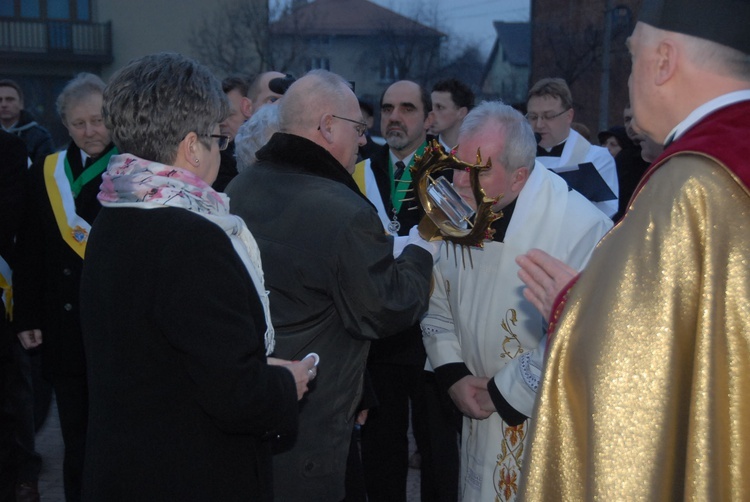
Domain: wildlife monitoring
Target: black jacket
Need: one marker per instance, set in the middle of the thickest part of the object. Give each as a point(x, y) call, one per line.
point(38, 139)
point(630, 169)
point(227, 168)
point(334, 285)
point(181, 401)
point(12, 207)
point(48, 272)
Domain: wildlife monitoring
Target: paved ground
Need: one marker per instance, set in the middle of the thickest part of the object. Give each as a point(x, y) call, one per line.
point(49, 445)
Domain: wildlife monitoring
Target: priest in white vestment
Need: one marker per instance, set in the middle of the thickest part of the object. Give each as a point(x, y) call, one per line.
point(483, 338)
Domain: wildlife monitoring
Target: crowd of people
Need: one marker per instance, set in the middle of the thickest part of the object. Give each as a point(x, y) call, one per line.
point(227, 284)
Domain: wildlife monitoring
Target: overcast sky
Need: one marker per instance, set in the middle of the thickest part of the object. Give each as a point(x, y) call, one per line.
point(470, 20)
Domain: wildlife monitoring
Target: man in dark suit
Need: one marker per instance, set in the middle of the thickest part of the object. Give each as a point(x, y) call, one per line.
point(396, 365)
point(51, 246)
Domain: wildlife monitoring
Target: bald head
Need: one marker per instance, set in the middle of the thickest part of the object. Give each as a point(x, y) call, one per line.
point(321, 107)
point(673, 74)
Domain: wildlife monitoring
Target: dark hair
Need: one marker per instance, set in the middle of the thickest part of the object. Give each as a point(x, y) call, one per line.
point(236, 82)
point(366, 107)
point(151, 104)
point(255, 86)
point(554, 87)
point(6, 82)
point(461, 94)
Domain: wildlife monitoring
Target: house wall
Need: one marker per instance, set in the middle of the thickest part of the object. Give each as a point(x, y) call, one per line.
point(141, 27)
point(506, 82)
point(356, 58)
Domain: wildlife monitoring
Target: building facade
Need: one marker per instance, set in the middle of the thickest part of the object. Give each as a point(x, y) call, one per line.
point(506, 75)
point(44, 43)
point(365, 43)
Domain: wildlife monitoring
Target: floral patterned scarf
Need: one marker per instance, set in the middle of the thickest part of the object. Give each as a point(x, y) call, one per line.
point(134, 182)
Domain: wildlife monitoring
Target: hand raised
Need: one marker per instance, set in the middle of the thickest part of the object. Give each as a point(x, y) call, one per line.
point(544, 277)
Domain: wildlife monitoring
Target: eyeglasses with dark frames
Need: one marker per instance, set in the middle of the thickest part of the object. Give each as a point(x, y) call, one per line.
point(223, 140)
point(546, 117)
point(361, 126)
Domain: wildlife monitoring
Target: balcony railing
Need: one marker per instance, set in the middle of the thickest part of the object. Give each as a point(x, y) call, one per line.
point(56, 40)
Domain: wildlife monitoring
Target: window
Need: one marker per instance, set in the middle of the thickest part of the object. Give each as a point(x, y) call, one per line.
point(318, 63)
point(60, 10)
point(6, 8)
point(388, 71)
point(30, 8)
point(82, 10)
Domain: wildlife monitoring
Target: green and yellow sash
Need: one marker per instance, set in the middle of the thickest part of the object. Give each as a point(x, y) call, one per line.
point(73, 229)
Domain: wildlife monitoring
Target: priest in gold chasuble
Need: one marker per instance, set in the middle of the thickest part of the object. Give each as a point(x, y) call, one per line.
point(646, 383)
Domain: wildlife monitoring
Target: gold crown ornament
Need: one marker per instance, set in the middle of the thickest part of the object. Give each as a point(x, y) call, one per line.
point(447, 215)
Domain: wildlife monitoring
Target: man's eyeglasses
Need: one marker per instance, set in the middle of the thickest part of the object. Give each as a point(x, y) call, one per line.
point(546, 117)
point(223, 140)
point(361, 126)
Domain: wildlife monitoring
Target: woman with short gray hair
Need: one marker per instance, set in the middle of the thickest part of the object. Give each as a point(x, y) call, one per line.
point(175, 313)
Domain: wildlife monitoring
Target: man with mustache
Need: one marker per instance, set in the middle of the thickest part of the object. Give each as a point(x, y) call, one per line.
point(396, 365)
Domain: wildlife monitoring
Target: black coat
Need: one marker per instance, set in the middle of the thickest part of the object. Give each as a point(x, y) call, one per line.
point(48, 272)
point(181, 399)
point(37, 139)
point(334, 285)
point(12, 206)
point(227, 168)
point(630, 169)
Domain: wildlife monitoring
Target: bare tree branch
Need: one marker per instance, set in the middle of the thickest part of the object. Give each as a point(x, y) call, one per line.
point(235, 38)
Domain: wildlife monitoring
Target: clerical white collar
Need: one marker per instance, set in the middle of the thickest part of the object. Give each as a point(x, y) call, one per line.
point(553, 146)
point(705, 109)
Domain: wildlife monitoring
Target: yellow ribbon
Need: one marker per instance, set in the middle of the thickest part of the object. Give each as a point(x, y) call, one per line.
point(73, 229)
